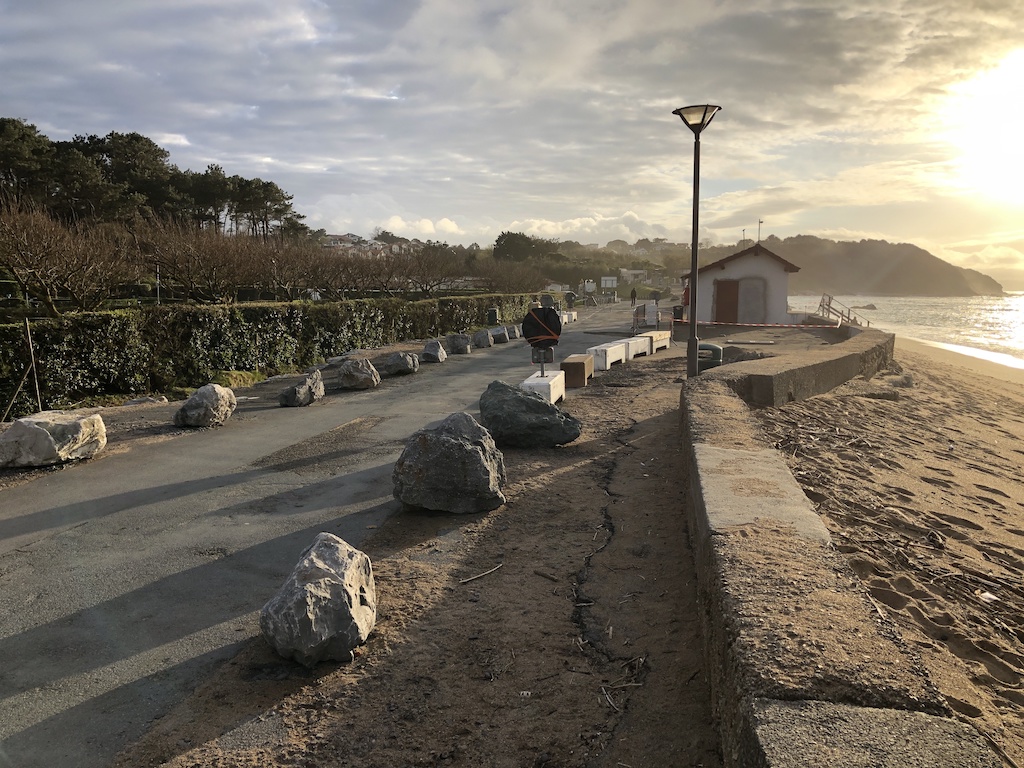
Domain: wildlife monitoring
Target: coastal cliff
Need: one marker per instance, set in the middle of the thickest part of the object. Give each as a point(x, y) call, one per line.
point(876, 268)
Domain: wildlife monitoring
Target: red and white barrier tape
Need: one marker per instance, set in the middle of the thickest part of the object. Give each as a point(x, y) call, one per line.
point(756, 325)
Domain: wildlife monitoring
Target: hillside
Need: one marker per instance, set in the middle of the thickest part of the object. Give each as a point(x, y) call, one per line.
point(869, 267)
point(876, 267)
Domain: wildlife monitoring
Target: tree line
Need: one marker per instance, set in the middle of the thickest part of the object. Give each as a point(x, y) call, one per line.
point(60, 267)
point(89, 221)
point(93, 220)
point(124, 177)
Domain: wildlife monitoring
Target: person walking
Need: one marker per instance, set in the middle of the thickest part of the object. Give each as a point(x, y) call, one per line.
point(632, 298)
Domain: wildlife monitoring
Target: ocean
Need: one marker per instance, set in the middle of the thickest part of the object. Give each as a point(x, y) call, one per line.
point(988, 327)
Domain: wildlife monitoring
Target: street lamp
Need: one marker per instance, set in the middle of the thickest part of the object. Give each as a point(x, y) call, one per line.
point(696, 119)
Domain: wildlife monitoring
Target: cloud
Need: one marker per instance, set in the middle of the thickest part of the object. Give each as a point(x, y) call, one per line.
point(171, 140)
point(458, 121)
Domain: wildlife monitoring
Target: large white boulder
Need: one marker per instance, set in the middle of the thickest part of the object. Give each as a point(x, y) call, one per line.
point(210, 406)
point(454, 467)
point(433, 352)
point(326, 608)
point(519, 419)
point(350, 374)
point(306, 392)
point(52, 437)
point(399, 364)
point(458, 343)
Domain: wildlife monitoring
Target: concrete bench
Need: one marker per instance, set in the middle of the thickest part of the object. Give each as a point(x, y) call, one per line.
point(636, 345)
point(578, 368)
point(608, 353)
point(659, 339)
point(567, 316)
point(550, 386)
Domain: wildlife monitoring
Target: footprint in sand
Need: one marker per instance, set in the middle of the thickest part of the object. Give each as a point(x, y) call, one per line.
point(960, 521)
point(900, 491)
point(889, 598)
point(865, 567)
point(996, 491)
point(995, 552)
point(907, 586)
point(993, 502)
point(940, 470)
point(983, 470)
point(981, 652)
point(962, 707)
point(939, 482)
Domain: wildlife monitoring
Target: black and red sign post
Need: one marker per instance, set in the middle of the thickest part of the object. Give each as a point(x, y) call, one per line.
point(541, 327)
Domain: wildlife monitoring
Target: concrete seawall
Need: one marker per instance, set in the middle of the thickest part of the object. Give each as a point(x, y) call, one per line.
point(803, 670)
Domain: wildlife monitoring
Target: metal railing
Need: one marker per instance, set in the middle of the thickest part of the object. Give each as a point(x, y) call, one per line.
point(832, 309)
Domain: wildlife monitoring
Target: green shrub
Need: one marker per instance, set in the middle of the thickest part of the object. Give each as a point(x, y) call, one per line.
point(160, 347)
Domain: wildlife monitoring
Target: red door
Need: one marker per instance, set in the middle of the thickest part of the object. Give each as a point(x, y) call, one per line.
point(727, 301)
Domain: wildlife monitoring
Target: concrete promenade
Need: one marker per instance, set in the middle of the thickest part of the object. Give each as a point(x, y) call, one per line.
point(802, 671)
point(126, 578)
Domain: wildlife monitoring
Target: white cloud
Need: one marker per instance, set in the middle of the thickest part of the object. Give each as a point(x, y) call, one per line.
point(458, 121)
point(171, 140)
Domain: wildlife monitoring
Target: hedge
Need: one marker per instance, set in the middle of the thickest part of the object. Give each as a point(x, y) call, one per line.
point(150, 349)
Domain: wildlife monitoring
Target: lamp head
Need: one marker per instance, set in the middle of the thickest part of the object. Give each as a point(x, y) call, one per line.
point(697, 117)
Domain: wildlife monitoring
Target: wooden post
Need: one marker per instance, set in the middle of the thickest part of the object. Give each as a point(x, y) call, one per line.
point(32, 362)
point(10, 404)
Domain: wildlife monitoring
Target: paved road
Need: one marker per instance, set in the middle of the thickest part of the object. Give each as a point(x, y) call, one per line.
point(124, 580)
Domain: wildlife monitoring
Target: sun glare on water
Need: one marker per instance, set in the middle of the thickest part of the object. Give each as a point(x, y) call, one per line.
point(982, 118)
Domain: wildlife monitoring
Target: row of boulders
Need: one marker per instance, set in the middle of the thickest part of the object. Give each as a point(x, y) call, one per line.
point(57, 437)
point(349, 373)
point(327, 607)
point(209, 406)
point(458, 467)
point(54, 437)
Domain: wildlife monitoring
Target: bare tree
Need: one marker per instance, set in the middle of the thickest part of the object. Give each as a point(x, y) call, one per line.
point(508, 277)
point(206, 266)
point(335, 276)
point(34, 249)
point(388, 272)
point(432, 267)
point(56, 264)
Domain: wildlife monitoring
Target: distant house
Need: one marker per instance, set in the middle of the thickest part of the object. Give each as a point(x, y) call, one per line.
point(633, 275)
point(751, 286)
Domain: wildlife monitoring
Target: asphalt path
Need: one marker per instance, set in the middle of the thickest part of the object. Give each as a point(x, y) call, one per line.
point(124, 580)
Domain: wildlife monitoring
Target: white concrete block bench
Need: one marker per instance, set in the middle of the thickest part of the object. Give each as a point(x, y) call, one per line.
point(636, 345)
point(659, 339)
point(567, 316)
point(605, 355)
point(578, 368)
point(550, 386)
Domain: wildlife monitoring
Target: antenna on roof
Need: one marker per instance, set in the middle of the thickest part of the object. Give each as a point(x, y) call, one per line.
point(759, 223)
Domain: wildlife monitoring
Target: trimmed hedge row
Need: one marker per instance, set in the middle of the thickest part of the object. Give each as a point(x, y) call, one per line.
point(151, 349)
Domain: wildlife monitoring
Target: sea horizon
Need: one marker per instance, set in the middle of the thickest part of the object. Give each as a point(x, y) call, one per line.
point(989, 328)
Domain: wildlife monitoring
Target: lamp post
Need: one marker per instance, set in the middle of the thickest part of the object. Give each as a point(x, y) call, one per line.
point(696, 119)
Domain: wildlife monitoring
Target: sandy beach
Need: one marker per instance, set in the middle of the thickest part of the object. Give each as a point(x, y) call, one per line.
point(923, 494)
point(582, 648)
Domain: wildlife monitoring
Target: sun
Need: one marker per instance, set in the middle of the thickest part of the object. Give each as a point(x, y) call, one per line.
point(983, 119)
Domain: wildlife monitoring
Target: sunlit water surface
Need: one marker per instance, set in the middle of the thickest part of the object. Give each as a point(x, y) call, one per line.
point(989, 327)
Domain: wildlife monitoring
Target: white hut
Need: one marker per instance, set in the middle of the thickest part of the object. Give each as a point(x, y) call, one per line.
point(751, 286)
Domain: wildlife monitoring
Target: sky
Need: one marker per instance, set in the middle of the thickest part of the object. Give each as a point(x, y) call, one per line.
point(455, 120)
